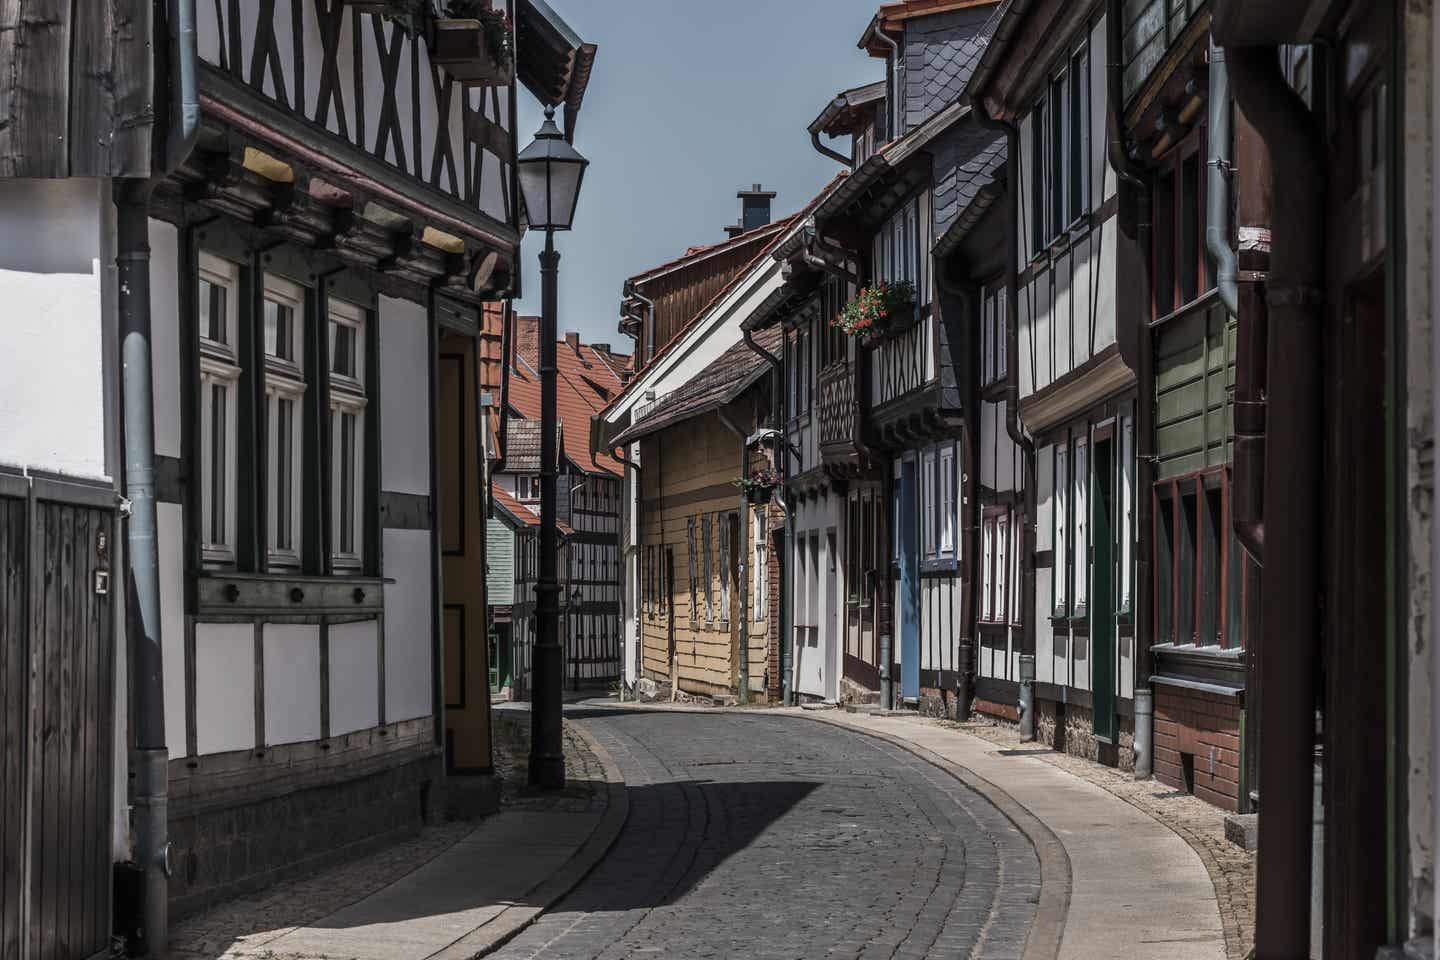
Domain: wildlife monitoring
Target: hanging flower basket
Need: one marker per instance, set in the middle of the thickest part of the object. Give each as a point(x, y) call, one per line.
point(474, 44)
point(875, 309)
point(759, 484)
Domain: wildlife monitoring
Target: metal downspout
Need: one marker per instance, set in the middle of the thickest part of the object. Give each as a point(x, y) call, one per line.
point(826, 151)
point(1290, 617)
point(779, 402)
point(1133, 192)
point(1217, 186)
point(1012, 411)
point(632, 290)
point(185, 93)
point(634, 545)
point(897, 96)
point(149, 759)
point(742, 691)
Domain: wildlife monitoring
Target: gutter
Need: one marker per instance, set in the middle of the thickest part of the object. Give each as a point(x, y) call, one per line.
point(647, 343)
point(780, 401)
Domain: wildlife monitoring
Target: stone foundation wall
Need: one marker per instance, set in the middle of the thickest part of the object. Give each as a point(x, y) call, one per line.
point(222, 849)
point(1070, 729)
point(1197, 744)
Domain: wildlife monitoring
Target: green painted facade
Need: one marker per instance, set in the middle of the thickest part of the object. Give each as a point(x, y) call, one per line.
point(1194, 386)
point(499, 563)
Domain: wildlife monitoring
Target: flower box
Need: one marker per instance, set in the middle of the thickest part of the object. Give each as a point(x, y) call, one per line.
point(377, 7)
point(462, 49)
point(759, 485)
point(758, 495)
point(876, 310)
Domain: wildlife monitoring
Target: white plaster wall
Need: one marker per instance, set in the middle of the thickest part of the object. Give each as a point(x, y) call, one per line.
point(165, 335)
point(170, 518)
point(53, 241)
point(292, 683)
point(404, 397)
point(408, 625)
point(1105, 296)
point(354, 677)
point(1102, 175)
point(224, 687)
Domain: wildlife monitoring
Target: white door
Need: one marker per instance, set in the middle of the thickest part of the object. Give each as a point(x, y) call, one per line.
point(809, 657)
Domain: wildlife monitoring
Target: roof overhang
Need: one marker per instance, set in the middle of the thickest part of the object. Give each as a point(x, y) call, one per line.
point(653, 421)
point(891, 19)
point(842, 115)
point(554, 63)
point(787, 300)
point(1275, 22)
point(1029, 34)
point(985, 198)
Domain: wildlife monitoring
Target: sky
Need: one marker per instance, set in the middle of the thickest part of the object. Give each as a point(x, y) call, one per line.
point(689, 102)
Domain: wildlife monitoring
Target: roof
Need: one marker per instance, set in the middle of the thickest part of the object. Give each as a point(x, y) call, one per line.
point(726, 378)
point(585, 382)
point(695, 254)
point(522, 444)
point(739, 278)
point(840, 114)
point(878, 170)
point(554, 63)
point(892, 15)
point(518, 515)
point(978, 184)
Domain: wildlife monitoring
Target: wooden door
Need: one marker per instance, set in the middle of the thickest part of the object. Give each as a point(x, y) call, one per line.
point(57, 698)
point(670, 653)
point(909, 582)
point(462, 549)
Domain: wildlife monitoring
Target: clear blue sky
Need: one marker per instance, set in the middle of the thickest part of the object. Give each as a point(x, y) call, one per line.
point(689, 102)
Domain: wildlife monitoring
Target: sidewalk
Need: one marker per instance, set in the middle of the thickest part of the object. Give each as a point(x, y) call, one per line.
point(1135, 888)
point(468, 887)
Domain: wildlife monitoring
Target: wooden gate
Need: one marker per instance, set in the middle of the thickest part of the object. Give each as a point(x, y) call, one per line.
point(56, 718)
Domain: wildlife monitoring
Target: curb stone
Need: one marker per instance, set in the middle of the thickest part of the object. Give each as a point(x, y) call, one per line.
point(514, 919)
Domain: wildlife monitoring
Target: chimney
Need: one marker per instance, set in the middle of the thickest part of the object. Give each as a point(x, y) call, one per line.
point(527, 339)
point(755, 207)
point(572, 340)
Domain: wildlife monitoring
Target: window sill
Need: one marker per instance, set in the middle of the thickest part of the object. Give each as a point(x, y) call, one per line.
point(940, 565)
point(249, 595)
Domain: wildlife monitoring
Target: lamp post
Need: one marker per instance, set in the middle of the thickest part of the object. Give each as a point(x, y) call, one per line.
point(550, 171)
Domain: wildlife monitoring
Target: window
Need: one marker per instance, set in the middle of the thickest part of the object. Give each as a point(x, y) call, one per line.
point(722, 543)
point(1017, 527)
point(692, 568)
point(283, 311)
point(1127, 511)
point(996, 567)
point(1080, 525)
point(758, 574)
point(834, 344)
point(929, 511)
point(347, 438)
point(897, 251)
point(706, 572)
point(647, 582)
point(993, 333)
point(1060, 152)
point(1061, 569)
point(1179, 263)
point(217, 299)
point(947, 482)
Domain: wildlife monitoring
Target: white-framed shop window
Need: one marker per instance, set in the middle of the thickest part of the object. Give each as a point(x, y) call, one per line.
point(284, 319)
point(346, 337)
point(218, 321)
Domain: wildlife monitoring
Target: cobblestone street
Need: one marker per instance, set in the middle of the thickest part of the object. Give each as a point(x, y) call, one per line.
point(765, 837)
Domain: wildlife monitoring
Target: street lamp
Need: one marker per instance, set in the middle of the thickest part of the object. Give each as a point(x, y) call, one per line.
point(550, 171)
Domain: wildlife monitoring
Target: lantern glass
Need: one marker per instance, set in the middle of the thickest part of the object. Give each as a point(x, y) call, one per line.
point(550, 172)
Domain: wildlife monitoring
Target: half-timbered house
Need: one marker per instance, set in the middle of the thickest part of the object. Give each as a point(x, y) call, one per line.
point(1042, 78)
point(289, 220)
point(910, 382)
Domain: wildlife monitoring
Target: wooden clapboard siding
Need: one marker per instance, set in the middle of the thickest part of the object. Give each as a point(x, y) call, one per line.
point(76, 90)
point(1194, 378)
point(1150, 27)
point(694, 466)
point(56, 745)
point(357, 80)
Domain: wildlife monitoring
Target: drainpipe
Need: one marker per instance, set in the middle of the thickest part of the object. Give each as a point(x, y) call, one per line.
point(1012, 411)
point(897, 96)
point(826, 151)
point(780, 400)
point(1217, 186)
point(1248, 501)
point(1290, 617)
point(742, 692)
point(648, 341)
point(149, 760)
point(185, 89)
point(1135, 216)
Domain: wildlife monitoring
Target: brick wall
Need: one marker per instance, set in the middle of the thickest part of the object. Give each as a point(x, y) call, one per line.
point(1201, 730)
point(1000, 711)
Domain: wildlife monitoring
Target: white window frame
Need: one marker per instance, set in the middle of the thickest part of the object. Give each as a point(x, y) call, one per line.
point(1127, 513)
point(1080, 524)
point(993, 333)
point(948, 483)
point(987, 571)
point(929, 502)
point(220, 368)
point(1060, 569)
point(757, 574)
point(285, 380)
point(1003, 583)
point(347, 398)
point(1017, 534)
